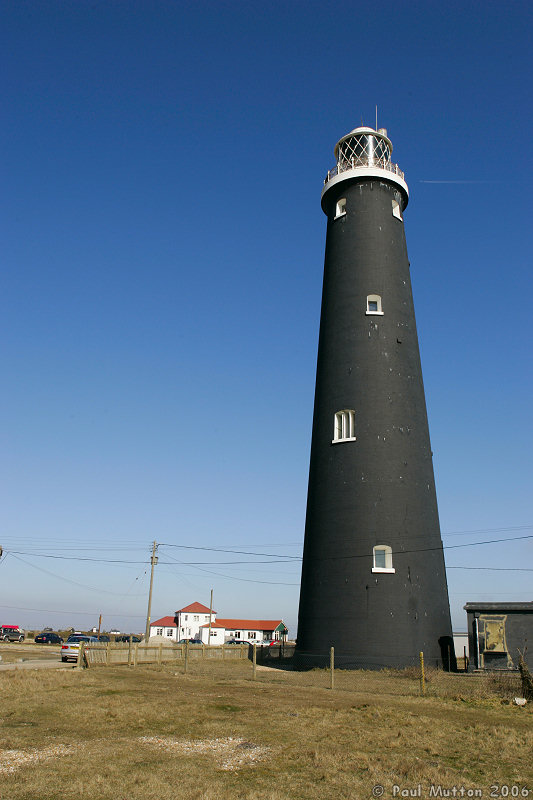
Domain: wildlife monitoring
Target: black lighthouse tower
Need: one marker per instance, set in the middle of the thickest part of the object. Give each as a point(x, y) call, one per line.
point(373, 575)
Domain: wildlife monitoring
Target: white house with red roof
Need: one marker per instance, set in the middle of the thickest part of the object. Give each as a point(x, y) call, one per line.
point(254, 631)
point(192, 622)
point(185, 624)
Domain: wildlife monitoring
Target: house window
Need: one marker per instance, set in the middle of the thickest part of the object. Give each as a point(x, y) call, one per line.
point(186, 617)
point(396, 210)
point(340, 208)
point(344, 426)
point(197, 618)
point(159, 631)
point(373, 304)
point(252, 635)
point(382, 559)
point(169, 631)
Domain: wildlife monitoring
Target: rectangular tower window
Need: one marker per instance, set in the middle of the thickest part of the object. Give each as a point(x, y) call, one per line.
point(344, 426)
point(340, 208)
point(396, 210)
point(382, 558)
point(373, 305)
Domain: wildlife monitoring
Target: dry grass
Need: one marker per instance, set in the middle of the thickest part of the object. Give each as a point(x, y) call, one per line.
point(157, 734)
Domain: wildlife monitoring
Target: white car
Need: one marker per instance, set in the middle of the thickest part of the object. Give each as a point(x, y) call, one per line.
point(71, 648)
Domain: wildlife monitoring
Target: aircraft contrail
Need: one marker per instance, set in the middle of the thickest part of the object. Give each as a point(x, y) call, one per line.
point(458, 181)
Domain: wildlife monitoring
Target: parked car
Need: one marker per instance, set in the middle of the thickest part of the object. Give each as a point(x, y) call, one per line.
point(71, 648)
point(11, 633)
point(48, 638)
point(126, 637)
point(103, 637)
point(191, 641)
point(236, 641)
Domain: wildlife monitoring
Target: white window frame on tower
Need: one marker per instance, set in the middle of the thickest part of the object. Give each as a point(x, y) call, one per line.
point(344, 426)
point(340, 208)
point(396, 210)
point(387, 550)
point(374, 298)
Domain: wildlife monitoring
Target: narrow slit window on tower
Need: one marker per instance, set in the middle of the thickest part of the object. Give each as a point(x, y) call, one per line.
point(373, 305)
point(382, 558)
point(344, 427)
point(396, 210)
point(340, 208)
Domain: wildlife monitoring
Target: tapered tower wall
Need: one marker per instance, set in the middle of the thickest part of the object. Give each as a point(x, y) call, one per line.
point(375, 487)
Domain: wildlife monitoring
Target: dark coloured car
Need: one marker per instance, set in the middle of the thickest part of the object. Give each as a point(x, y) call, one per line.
point(236, 641)
point(191, 641)
point(135, 639)
point(48, 638)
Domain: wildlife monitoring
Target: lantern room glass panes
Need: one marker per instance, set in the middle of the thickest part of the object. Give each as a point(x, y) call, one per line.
point(364, 150)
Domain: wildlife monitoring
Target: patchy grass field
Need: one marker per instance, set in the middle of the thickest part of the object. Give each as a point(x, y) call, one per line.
point(157, 734)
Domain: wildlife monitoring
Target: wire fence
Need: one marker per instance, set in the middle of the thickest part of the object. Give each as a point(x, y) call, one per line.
point(278, 666)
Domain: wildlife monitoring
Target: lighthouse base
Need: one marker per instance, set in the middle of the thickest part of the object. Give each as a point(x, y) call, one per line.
point(440, 657)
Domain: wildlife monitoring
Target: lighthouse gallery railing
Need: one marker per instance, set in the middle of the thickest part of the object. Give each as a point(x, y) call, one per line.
point(344, 166)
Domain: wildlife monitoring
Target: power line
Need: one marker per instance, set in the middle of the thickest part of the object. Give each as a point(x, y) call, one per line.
point(69, 611)
point(125, 561)
point(283, 559)
point(233, 551)
point(489, 530)
point(68, 580)
point(234, 578)
point(286, 558)
point(497, 569)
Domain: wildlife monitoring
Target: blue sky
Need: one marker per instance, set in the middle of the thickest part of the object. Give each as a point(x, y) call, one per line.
point(163, 247)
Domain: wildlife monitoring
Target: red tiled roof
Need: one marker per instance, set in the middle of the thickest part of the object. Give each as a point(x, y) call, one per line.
point(249, 624)
point(164, 622)
point(194, 608)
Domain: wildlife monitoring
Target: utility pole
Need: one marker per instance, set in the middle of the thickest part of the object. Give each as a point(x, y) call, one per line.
point(153, 562)
point(210, 617)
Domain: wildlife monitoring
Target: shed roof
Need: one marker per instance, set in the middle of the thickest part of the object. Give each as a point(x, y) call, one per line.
point(494, 608)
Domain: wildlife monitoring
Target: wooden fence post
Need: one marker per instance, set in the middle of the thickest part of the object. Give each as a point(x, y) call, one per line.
point(332, 667)
point(186, 656)
point(422, 675)
point(254, 661)
point(135, 654)
point(79, 662)
point(108, 645)
point(129, 652)
point(160, 654)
